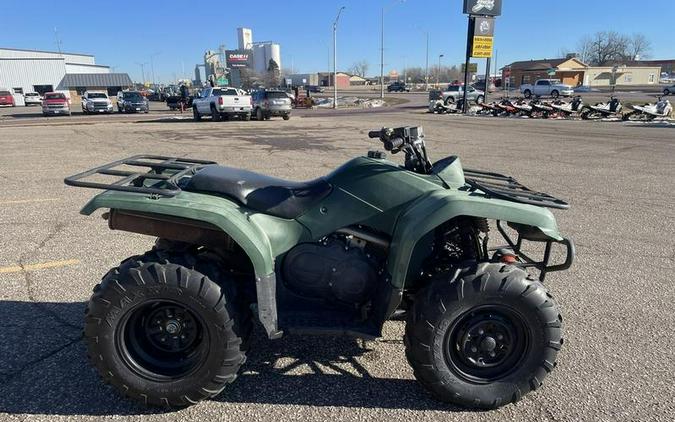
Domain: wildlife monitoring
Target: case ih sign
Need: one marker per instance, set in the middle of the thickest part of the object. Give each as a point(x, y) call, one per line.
point(238, 58)
point(483, 7)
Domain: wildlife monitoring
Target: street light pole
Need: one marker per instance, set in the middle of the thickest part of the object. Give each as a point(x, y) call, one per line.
point(335, 57)
point(426, 72)
point(152, 67)
point(382, 49)
point(438, 75)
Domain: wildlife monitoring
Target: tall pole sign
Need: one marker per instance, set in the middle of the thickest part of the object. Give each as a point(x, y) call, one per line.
point(479, 36)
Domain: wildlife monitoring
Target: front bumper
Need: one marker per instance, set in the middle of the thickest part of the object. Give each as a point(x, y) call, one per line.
point(134, 108)
point(528, 233)
point(99, 108)
point(567, 92)
point(55, 110)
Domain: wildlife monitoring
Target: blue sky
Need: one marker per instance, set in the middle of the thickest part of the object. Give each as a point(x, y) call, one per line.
point(121, 33)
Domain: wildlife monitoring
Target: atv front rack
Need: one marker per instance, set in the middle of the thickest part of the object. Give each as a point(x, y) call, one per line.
point(160, 174)
point(506, 187)
point(532, 235)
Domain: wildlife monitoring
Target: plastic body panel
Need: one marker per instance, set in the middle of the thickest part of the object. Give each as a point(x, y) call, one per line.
point(261, 236)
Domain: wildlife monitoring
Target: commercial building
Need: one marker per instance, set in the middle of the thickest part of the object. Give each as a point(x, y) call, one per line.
point(263, 52)
point(574, 72)
point(26, 71)
point(302, 79)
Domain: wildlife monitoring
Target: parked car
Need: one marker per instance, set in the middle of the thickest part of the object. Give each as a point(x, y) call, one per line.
point(32, 98)
point(314, 88)
point(546, 88)
point(268, 103)
point(456, 92)
point(96, 102)
point(132, 102)
point(398, 87)
point(222, 103)
point(55, 103)
point(6, 98)
point(669, 90)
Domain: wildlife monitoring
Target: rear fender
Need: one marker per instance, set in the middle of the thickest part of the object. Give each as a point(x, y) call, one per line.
point(262, 237)
point(434, 209)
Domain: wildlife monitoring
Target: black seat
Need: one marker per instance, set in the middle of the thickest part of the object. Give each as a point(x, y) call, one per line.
point(278, 197)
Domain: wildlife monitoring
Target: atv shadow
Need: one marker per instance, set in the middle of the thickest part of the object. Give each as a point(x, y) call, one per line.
point(44, 370)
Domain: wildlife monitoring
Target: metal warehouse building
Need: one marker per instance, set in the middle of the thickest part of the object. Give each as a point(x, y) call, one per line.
point(26, 71)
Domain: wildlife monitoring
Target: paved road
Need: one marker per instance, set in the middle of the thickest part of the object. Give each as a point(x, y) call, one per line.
point(617, 300)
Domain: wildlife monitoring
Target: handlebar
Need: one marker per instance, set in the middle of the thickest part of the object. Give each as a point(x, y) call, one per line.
point(392, 144)
point(374, 133)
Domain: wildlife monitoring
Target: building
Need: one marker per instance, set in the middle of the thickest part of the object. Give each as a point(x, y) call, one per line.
point(326, 79)
point(574, 72)
point(355, 80)
point(569, 71)
point(263, 52)
point(302, 79)
point(45, 71)
point(245, 37)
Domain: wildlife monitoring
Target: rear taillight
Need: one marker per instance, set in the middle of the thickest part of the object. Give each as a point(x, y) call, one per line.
point(220, 100)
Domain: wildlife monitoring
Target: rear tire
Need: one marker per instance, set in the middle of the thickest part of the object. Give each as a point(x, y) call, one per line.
point(259, 115)
point(666, 92)
point(286, 116)
point(555, 93)
point(246, 117)
point(161, 331)
point(483, 337)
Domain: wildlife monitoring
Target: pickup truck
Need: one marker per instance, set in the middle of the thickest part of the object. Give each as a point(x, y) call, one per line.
point(222, 103)
point(96, 102)
point(546, 88)
point(456, 92)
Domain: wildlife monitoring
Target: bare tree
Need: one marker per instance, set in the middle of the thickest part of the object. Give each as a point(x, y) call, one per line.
point(638, 47)
point(359, 68)
point(606, 47)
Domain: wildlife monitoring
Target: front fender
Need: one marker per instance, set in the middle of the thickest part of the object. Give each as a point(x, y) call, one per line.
point(439, 206)
point(262, 237)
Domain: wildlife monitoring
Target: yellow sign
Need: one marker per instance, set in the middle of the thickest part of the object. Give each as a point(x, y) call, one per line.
point(482, 47)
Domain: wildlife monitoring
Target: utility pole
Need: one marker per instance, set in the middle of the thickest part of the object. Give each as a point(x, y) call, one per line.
point(58, 41)
point(142, 65)
point(382, 55)
point(152, 66)
point(337, 18)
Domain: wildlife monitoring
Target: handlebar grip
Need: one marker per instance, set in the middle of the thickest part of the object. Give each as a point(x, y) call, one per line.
point(374, 133)
point(393, 144)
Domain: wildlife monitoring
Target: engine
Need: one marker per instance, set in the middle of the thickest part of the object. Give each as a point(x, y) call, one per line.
point(339, 269)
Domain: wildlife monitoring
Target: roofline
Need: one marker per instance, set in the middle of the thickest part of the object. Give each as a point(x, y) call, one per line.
point(45, 51)
point(32, 58)
point(88, 65)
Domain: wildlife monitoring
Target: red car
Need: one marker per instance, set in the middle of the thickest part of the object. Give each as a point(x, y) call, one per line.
point(55, 103)
point(6, 98)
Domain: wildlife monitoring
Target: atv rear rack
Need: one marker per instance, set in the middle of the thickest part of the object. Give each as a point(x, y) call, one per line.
point(161, 178)
point(506, 187)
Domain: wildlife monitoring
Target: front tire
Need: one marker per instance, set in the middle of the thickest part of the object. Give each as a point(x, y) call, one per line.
point(286, 117)
point(259, 114)
point(483, 338)
point(527, 93)
point(666, 92)
point(161, 331)
point(195, 114)
point(215, 115)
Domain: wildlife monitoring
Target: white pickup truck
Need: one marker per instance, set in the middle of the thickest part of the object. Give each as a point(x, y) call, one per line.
point(546, 88)
point(222, 103)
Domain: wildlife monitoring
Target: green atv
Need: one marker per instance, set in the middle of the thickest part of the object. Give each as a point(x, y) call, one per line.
point(339, 255)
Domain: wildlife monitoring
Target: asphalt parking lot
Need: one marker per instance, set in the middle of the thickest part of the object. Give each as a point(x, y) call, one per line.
point(617, 300)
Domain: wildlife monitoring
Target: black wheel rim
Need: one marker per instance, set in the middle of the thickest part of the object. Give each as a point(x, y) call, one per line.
point(487, 343)
point(162, 340)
